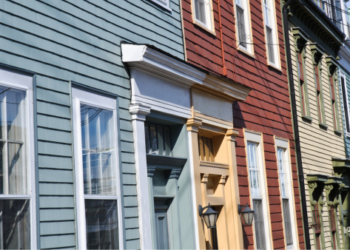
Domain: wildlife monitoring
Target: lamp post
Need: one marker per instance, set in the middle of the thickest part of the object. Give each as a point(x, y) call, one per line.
point(210, 217)
point(246, 213)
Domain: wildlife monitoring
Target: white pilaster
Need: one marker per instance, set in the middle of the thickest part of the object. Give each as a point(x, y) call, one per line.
point(138, 115)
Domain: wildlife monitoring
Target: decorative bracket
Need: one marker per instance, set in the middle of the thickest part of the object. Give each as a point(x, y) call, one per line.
point(316, 184)
point(300, 38)
point(332, 65)
point(317, 53)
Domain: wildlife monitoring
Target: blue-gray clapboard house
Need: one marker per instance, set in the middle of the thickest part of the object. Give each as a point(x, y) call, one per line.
point(58, 59)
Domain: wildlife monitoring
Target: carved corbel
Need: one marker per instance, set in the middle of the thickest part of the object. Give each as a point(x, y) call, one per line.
point(300, 38)
point(332, 67)
point(317, 53)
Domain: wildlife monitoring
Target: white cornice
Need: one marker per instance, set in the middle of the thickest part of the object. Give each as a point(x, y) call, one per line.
point(157, 63)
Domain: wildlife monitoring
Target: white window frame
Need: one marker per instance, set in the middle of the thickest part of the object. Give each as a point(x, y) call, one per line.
point(163, 3)
point(284, 144)
point(209, 25)
point(80, 96)
point(257, 138)
point(245, 5)
point(25, 82)
point(273, 27)
point(342, 75)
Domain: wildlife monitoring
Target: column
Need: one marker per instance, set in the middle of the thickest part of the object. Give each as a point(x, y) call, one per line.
point(138, 116)
point(150, 174)
point(175, 207)
point(193, 125)
point(223, 224)
point(236, 227)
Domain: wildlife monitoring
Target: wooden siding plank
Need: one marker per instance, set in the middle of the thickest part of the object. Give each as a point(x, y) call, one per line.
point(55, 189)
point(128, 168)
point(132, 234)
point(45, 161)
point(53, 122)
point(127, 147)
point(53, 109)
point(54, 175)
point(51, 83)
point(132, 223)
point(126, 136)
point(56, 202)
point(129, 179)
point(50, 148)
point(54, 135)
point(131, 212)
point(57, 241)
point(57, 214)
point(56, 228)
point(52, 96)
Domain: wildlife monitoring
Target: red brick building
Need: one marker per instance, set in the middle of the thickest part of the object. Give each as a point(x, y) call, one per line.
point(214, 44)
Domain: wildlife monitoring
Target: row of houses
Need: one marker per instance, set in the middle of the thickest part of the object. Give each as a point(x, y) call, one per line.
point(125, 122)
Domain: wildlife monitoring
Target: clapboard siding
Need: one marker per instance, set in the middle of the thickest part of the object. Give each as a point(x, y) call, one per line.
point(314, 140)
point(78, 41)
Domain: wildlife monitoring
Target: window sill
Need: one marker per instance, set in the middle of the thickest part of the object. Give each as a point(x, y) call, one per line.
point(306, 118)
point(273, 66)
point(162, 5)
point(337, 132)
point(204, 27)
point(324, 126)
point(239, 48)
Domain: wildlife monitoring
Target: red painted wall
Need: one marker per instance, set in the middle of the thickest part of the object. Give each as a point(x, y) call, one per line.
point(267, 108)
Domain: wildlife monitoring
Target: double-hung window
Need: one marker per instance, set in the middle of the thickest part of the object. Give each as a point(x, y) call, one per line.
point(302, 81)
point(345, 103)
point(319, 94)
point(97, 171)
point(286, 189)
point(270, 32)
point(203, 13)
point(17, 204)
point(332, 74)
point(258, 191)
point(244, 37)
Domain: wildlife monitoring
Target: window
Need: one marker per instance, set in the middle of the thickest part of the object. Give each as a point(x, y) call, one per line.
point(333, 225)
point(96, 166)
point(334, 99)
point(206, 150)
point(163, 3)
point(17, 199)
point(345, 103)
point(243, 25)
point(270, 31)
point(286, 189)
point(319, 93)
point(317, 226)
point(203, 13)
point(302, 81)
point(258, 191)
point(157, 139)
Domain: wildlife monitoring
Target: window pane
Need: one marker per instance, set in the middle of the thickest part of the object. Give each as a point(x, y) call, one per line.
point(15, 114)
point(17, 176)
point(259, 224)
point(241, 27)
point(281, 171)
point(101, 224)
point(270, 45)
point(200, 10)
point(14, 224)
point(157, 139)
point(253, 169)
point(98, 141)
point(287, 222)
point(153, 136)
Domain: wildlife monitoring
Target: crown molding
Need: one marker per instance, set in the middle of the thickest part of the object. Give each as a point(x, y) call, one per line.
point(153, 61)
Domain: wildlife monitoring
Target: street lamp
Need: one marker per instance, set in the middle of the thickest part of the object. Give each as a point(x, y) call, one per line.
point(246, 213)
point(210, 216)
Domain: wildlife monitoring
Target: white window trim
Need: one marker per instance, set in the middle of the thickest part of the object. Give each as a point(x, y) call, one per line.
point(25, 82)
point(210, 26)
point(248, 27)
point(81, 96)
point(342, 75)
point(163, 3)
point(254, 137)
point(273, 26)
point(284, 144)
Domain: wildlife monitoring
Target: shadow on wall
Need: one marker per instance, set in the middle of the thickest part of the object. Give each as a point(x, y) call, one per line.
point(238, 121)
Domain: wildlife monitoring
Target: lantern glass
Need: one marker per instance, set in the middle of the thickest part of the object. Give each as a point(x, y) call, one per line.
point(247, 215)
point(210, 217)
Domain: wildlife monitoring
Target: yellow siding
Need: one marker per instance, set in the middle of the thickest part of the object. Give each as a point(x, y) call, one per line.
point(318, 146)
